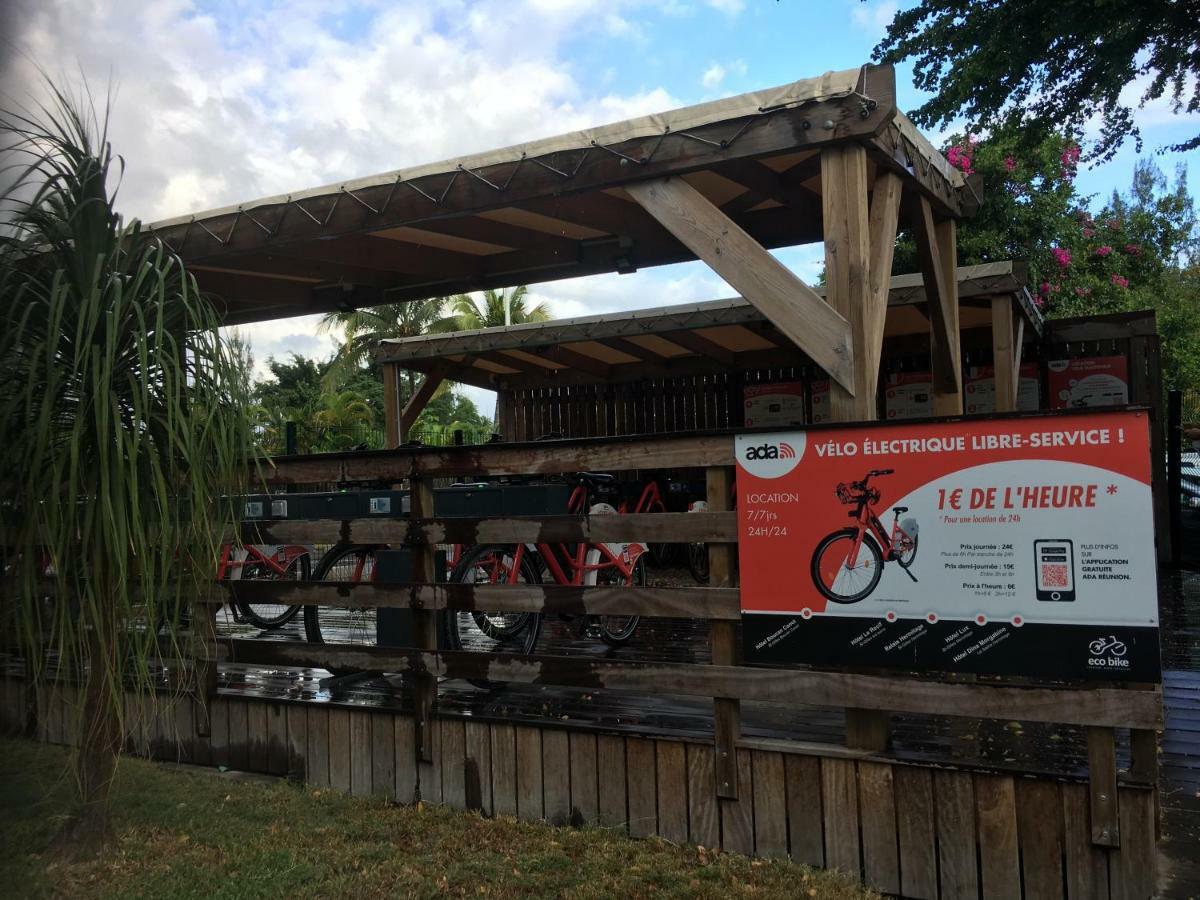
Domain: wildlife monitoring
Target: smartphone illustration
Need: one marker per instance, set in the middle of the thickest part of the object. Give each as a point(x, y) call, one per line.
point(1055, 570)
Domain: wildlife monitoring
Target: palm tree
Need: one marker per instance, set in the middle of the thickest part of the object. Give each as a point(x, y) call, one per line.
point(364, 330)
point(489, 310)
point(123, 423)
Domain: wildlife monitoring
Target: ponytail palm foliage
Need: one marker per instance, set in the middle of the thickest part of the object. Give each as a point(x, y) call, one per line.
point(124, 420)
point(488, 310)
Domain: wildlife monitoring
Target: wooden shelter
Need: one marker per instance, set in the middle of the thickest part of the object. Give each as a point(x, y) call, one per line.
point(827, 158)
point(682, 367)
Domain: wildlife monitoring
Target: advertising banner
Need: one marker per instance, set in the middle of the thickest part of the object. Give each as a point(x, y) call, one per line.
point(1088, 381)
point(979, 390)
point(774, 404)
point(1008, 547)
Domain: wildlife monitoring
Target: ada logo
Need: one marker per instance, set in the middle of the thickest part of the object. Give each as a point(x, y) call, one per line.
point(770, 455)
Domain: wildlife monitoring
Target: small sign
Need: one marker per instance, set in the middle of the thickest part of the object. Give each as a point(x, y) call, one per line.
point(909, 395)
point(1088, 381)
point(774, 404)
point(979, 390)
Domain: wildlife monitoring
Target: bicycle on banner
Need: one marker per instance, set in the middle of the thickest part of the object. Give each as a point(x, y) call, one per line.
point(848, 563)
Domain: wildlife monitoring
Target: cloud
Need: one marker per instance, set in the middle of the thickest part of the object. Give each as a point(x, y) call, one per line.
point(874, 17)
point(715, 74)
point(730, 7)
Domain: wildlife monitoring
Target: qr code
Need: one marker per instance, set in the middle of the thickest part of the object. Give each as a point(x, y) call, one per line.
point(1054, 576)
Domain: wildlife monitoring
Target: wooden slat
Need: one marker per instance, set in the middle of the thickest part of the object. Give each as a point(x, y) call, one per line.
point(535, 458)
point(277, 742)
point(1134, 866)
point(704, 824)
point(806, 830)
point(297, 742)
point(550, 599)
point(585, 797)
point(682, 527)
point(504, 770)
point(383, 755)
point(556, 776)
point(641, 778)
point(258, 757)
point(316, 767)
point(915, 826)
point(1086, 864)
point(339, 749)
point(883, 220)
point(671, 788)
point(943, 314)
point(1102, 784)
point(239, 748)
point(218, 739)
point(613, 807)
point(362, 747)
point(1004, 359)
point(999, 853)
point(1091, 706)
point(737, 815)
point(405, 739)
point(727, 711)
point(1040, 831)
point(479, 767)
point(791, 305)
point(530, 793)
point(770, 804)
point(454, 759)
point(839, 805)
point(184, 726)
point(880, 844)
point(954, 809)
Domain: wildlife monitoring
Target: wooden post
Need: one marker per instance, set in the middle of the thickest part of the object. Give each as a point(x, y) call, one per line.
point(204, 662)
point(391, 406)
point(850, 289)
point(727, 713)
point(884, 219)
point(1102, 785)
point(424, 621)
point(417, 402)
point(937, 251)
point(1004, 360)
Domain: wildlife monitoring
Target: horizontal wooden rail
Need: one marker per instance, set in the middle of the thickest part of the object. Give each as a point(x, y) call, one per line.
point(532, 458)
point(681, 602)
point(700, 527)
point(1068, 706)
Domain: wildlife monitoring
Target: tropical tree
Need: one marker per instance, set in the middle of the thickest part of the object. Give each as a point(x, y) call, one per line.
point(1049, 63)
point(124, 421)
point(363, 330)
point(495, 308)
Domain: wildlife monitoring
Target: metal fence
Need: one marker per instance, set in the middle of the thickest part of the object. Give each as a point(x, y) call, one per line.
point(303, 438)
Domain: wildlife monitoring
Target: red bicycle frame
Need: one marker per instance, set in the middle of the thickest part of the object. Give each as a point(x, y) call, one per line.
point(866, 518)
point(277, 562)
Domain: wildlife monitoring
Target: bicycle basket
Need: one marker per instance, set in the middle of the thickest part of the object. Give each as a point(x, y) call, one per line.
point(846, 494)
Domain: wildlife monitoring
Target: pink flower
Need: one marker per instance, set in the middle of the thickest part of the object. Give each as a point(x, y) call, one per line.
point(1044, 288)
point(1039, 302)
point(1010, 164)
point(1069, 160)
point(1088, 231)
point(1062, 256)
point(960, 155)
point(1082, 291)
point(1133, 249)
point(1103, 251)
point(1119, 280)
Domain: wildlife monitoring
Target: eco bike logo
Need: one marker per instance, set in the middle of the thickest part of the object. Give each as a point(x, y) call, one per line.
point(1107, 653)
point(766, 456)
point(847, 564)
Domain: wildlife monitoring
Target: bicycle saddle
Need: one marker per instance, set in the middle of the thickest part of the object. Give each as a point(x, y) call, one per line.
point(597, 478)
point(899, 510)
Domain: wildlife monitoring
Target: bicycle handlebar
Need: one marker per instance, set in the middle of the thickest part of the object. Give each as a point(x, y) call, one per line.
point(875, 472)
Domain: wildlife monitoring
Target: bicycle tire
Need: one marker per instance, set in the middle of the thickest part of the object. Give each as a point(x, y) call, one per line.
point(616, 631)
point(477, 561)
point(872, 569)
point(906, 562)
point(697, 562)
point(256, 613)
point(331, 624)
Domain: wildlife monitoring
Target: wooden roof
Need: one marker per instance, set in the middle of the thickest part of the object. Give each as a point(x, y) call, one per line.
point(555, 208)
point(686, 339)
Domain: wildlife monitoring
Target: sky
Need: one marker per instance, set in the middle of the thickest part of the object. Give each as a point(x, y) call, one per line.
point(226, 101)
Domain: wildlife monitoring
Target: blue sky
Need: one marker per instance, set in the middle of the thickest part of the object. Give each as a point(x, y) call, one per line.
point(224, 101)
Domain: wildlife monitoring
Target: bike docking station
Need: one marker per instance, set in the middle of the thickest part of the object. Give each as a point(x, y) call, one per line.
point(1021, 460)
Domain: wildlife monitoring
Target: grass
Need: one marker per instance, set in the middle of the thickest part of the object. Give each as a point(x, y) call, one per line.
point(193, 833)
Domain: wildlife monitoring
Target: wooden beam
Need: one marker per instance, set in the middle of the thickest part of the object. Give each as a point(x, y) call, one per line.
point(391, 405)
point(847, 261)
point(795, 308)
point(950, 401)
point(884, 219)
point(418, 401)
point(1018, 350)
point(764, 183)
point(575, 360)
point(502, 234)
point(1003, 357)
point(942, 294)
point(701, 346)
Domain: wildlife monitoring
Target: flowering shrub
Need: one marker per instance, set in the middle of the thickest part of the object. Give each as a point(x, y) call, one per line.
point(960, 155)
point(1062, 256)
point(1119, 280)
point(1104, 251)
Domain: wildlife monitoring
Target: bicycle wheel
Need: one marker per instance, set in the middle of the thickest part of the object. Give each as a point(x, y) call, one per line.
point(269, 616)
point(617, 630)
point(908, 548)
point(493, 632)
point(343, 625)
point(697, 560)
point(832, 574)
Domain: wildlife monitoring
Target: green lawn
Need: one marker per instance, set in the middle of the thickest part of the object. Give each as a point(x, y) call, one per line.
point(194, 833)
